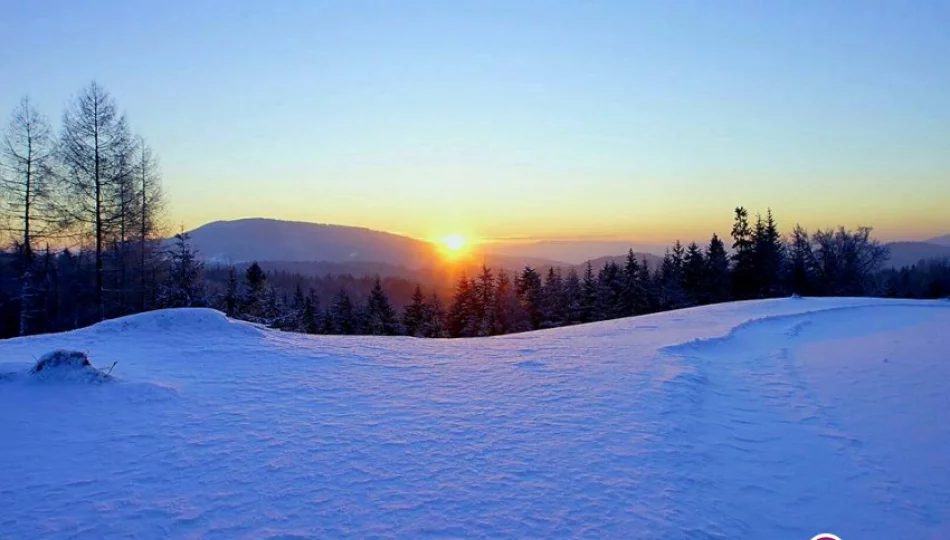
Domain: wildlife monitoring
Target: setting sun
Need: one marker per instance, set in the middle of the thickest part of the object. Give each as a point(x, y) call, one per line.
point(454, 242)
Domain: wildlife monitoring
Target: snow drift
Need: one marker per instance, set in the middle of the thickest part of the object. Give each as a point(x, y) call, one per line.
point(772, 419)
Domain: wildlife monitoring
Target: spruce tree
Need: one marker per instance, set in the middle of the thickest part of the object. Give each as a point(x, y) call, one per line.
point(231, 299)
point(631, 299)
point(380, 317)
point(485, 317)
point(574, 298)
point(185, 284)
point(743, 253)
point(434, 325)
point(509, 317)
point(769, 257)
point(609, 291)
point(461, 317)
point(718, 280)
point(552, 299)
point(414, 314)
point(311, 313)
point(530, 296)
point(589, 303)
point(801, 262)
point(342, 315)
point(255, 284)
point(694, 274)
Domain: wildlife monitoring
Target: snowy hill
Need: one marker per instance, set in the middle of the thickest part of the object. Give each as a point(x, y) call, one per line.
point(261, 239)
point(771, 419)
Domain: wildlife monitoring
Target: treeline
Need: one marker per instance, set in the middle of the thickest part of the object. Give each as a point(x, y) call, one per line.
point(83, 206)
point(760, 263)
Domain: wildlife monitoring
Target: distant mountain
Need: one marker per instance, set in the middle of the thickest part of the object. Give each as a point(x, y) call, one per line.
point(573, 251)
point(653, 261)
point(910, 253)
point(940, 240)
point(291, 241)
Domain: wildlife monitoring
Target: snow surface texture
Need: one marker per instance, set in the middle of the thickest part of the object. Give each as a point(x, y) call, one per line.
point(773, 419)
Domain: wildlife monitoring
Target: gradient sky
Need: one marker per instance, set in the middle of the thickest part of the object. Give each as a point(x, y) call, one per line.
point(644, 121)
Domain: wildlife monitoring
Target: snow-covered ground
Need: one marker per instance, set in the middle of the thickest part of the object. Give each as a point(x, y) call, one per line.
point(772, 419)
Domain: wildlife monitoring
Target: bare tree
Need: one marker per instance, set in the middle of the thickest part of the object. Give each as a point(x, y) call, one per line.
point(95, 149)
point(26, 184)
point(149, 207)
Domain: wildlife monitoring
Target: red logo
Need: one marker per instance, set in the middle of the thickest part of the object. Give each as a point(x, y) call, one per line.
point(826, 536)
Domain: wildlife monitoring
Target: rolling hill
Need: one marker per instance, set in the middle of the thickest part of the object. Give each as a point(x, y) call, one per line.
point(910, 253)
point(275, 240)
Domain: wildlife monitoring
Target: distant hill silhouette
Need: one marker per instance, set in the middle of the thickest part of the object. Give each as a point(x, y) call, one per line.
point(940, 240)
point(573, 251)
point(261, 239)
point(910, 253)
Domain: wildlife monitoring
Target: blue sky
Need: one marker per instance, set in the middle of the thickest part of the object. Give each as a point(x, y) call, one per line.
point(637, 120)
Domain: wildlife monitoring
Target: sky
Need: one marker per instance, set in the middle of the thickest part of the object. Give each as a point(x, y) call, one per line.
point(640, 121)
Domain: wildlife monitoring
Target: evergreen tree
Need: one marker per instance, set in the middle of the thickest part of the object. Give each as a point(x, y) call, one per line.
point(231, 299)
point(574, 298)
point(743, 253)
point(342, 316)
point(718, 281)
point(530, 296)
point(552, 300)
point(461, 321)
point(589, 303)
point(184, 286)
point(328, 325)
point(801, 262)
point(694, 275)
point(311, 314)
point(414, 314)
point(380, 317)
point(485, 316)
point(768, 257)
point(632, 297)
point(255, 283)
point(434, 326)
point(671, 279)
point(509, 317)
point(609, 291)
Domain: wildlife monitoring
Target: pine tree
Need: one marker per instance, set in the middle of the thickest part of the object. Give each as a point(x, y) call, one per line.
point(380, 317)
point(413, 316)
point(530, 296)
point(694, 275)
point(342, 315)
point(231, 299)
point(609, 291)
point(552, 300)
point(801, 262)
point(461, 318)
point(510, 317)
point(768, 257)
point(743, 253)
point(184, 286)
point(574, 298)
point(485, 317)
point(718, 281)
point(589, 303)
point(255, 283)
point(631, 298)
point(311, 314)
point(434, 325)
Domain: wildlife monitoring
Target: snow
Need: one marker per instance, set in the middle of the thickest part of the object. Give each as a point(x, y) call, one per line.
point(768, 419)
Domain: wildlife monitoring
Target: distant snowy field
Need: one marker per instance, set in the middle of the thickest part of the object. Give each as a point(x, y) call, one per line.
point(773, 419)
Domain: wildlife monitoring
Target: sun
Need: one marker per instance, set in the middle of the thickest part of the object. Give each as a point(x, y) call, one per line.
point(454, 243)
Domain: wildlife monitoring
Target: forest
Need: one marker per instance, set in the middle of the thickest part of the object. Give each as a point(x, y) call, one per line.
point(85, 217)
